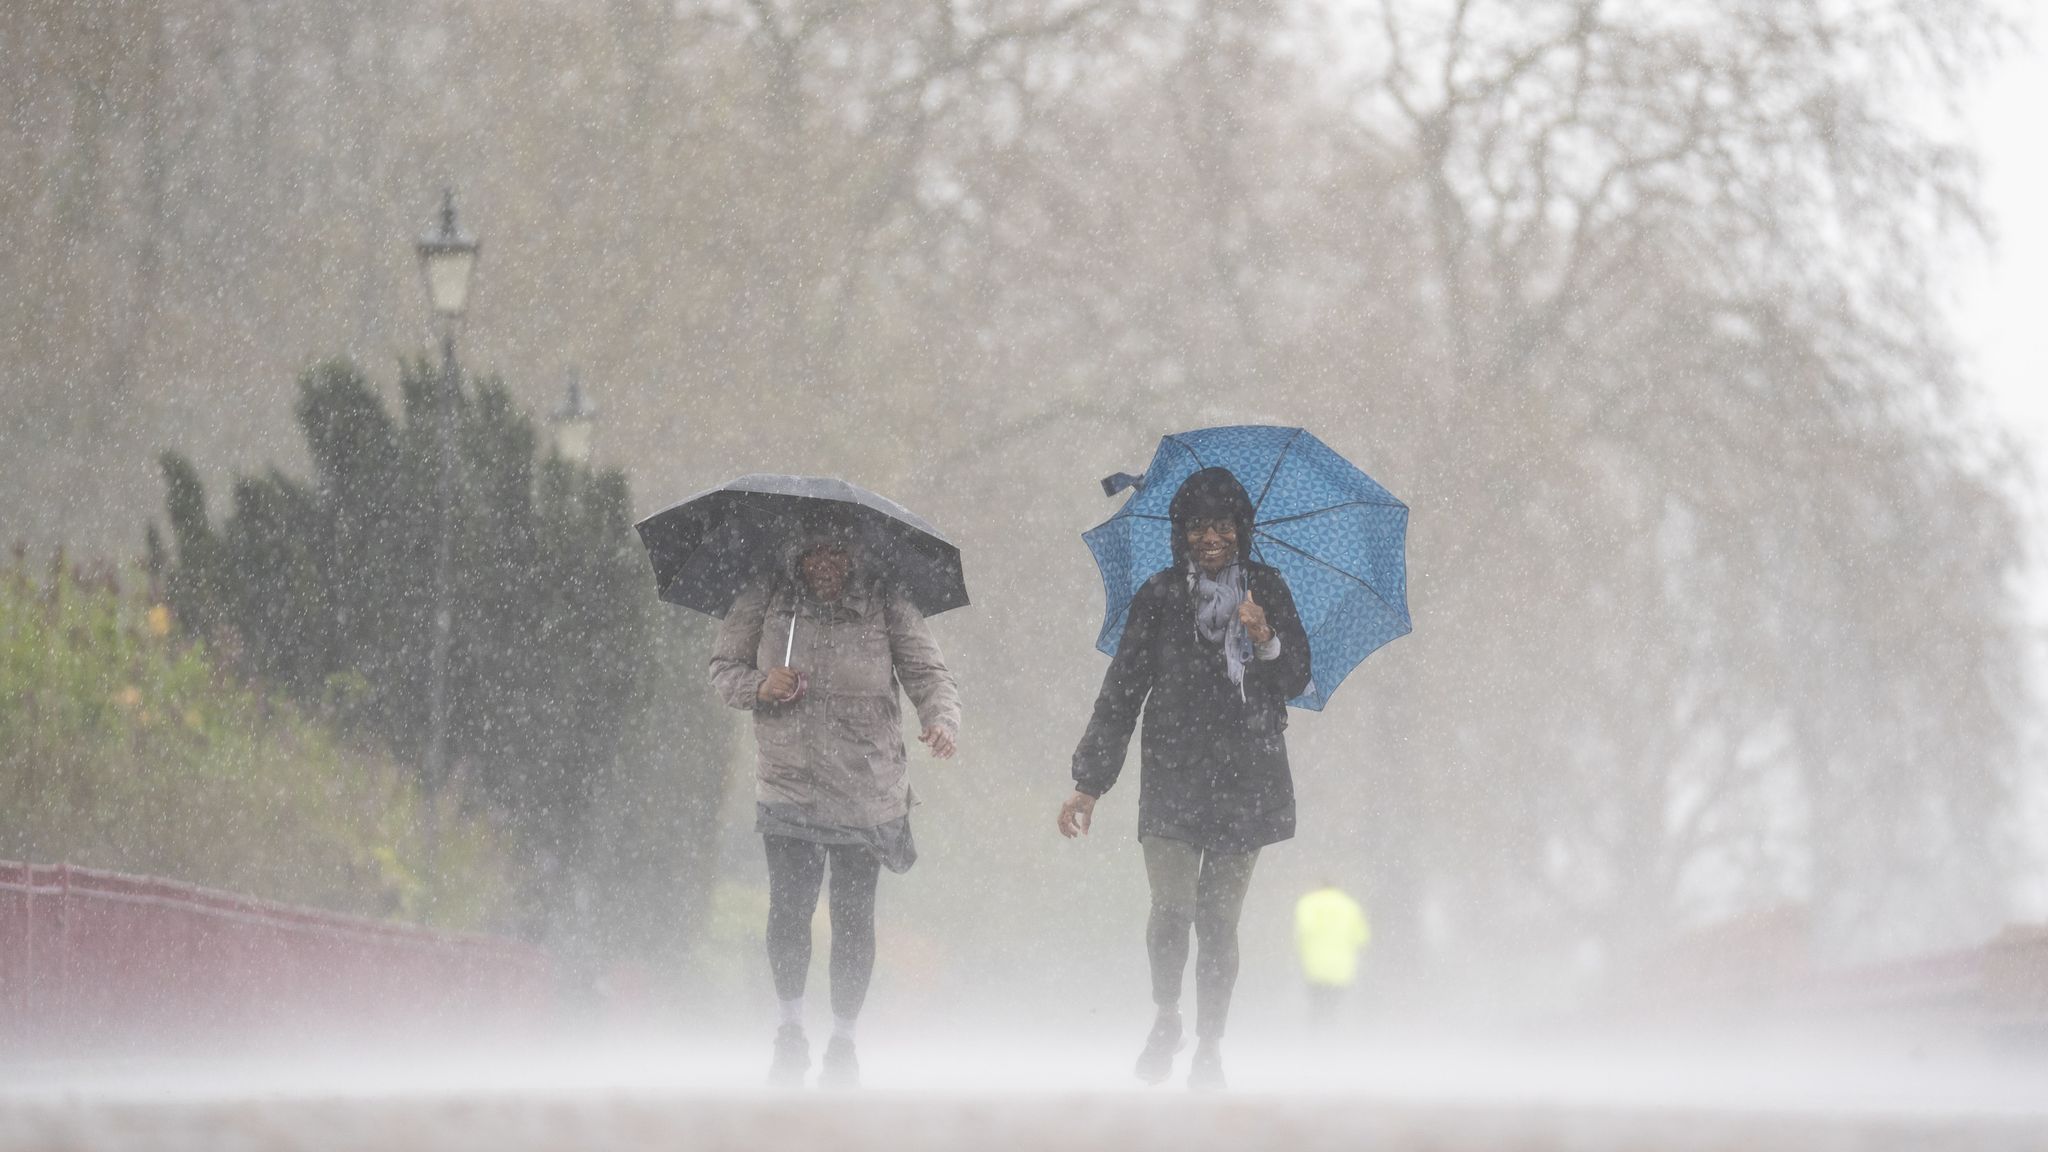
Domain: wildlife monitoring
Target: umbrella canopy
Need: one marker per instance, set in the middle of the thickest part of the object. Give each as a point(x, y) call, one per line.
point(707, 548)
point(1337, 536)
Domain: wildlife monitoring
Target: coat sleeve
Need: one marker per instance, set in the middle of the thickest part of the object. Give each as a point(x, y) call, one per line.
point(921, 668)
point(1100, 758)
point(1286, 676)
point(732, 658)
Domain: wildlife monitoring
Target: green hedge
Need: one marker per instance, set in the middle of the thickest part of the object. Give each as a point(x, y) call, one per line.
point(124, 746)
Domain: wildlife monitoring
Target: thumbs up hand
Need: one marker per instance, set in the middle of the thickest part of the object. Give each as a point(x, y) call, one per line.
point(1253, 618)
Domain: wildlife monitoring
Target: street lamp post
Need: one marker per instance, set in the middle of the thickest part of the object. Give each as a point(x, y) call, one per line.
point(447, 258)
point(574, 424)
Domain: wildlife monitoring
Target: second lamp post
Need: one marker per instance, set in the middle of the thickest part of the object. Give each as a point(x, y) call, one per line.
point(447, 258)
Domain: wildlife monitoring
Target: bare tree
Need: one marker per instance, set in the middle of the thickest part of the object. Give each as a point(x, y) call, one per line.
point(1683, 253)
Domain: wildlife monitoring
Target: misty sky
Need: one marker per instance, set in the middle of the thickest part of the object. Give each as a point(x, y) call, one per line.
point(2005, 308)
point(2004, 305)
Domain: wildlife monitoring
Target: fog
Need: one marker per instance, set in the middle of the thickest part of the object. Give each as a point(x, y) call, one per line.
point(1719, 688)
point(1569, 1095)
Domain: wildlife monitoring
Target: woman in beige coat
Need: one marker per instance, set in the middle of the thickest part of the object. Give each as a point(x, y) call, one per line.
point(816, 653)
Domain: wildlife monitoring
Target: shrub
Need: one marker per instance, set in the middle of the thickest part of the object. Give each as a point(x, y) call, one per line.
point(124, 746)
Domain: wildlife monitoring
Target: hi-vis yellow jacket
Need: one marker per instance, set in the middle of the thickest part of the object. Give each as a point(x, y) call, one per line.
point(1330, 930)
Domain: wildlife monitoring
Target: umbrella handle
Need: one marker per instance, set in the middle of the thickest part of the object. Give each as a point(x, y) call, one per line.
point(789, 649)
point(1244, 588)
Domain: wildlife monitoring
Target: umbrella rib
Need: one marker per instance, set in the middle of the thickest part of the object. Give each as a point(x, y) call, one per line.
point(1183, 446)
point(1282, 519)
point(1314, 559)
point(1275, 471)
point(1321, 511)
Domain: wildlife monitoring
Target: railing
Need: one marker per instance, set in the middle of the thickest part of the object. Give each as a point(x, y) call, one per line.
point(89, 957)
point(1761, 966)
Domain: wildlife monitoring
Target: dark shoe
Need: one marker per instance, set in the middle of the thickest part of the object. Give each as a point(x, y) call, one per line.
point(1205, 1071)
point(1155, 1063)
point(792, 1057)
point(842, 1067)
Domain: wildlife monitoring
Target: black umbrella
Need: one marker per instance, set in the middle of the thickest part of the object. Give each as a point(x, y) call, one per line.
point(707, 548)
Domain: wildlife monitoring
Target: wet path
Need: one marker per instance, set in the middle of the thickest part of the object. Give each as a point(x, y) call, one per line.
point(706, 1100)
point(889, 1123)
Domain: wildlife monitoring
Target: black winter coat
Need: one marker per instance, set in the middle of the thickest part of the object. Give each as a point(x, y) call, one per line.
point(1213, 765)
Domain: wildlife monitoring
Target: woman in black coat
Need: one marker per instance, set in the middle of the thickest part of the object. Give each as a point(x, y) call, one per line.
point(1212, 650)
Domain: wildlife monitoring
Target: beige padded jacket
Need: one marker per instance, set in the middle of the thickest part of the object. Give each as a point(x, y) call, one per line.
point(836, 754)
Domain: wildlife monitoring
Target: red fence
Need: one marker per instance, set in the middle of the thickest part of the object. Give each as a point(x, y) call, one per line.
point(1762, 965)
point(89, 956)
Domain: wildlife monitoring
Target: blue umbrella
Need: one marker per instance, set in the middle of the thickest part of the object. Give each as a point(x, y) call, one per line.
point(1337, 536)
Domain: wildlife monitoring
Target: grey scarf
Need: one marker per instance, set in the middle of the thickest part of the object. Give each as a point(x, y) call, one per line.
point(1216, 601)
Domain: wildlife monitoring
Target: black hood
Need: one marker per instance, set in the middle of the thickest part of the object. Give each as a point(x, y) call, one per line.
point(1211, 494)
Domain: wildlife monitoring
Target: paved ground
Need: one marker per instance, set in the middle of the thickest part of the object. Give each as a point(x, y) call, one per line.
point(1531, 1098)
point(1070, 1123)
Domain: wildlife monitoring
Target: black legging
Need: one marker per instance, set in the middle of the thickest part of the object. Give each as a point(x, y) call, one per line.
point(796, 868)
point(1203, 890)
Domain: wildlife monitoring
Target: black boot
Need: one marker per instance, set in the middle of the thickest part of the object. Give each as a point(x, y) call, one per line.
point(842, 1067)
point(792, 1057)
point(1155, 1063)
point(1205, 1071)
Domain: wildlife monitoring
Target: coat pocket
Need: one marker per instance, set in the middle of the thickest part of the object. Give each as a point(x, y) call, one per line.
point(783, 768)
point(865, 777)
point(778, 733)
point(866, 726)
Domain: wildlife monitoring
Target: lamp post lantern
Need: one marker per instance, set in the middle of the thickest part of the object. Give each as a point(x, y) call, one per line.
point(574, 424)
point(447, 259)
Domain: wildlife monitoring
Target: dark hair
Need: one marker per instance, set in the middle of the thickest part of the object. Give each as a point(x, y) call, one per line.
point(1210, 494)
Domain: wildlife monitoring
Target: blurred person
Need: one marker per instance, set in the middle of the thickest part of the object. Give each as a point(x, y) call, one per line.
point(1329, 933)
point(833, 785)
point(1211, 652)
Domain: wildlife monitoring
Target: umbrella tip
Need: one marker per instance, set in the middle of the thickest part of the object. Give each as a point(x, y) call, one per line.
point(1117, 482)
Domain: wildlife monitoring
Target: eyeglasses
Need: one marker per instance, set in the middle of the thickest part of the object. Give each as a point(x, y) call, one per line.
point(1224, 528)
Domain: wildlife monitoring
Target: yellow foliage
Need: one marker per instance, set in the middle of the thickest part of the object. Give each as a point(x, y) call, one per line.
point(243, 793)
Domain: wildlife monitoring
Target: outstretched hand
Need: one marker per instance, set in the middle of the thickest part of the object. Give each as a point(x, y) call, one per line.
point(939, 740)
point(1254, 619)
point(1077, 814)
